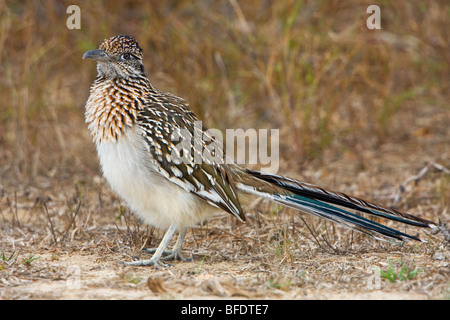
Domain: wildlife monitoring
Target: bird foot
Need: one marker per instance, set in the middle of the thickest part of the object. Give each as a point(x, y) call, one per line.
point(169, 255)
point(150, 262)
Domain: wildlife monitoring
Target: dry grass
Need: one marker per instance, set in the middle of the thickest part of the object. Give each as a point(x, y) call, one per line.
point(358, 110)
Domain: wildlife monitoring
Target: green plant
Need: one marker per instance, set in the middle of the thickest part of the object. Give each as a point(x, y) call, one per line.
point(402, 271)
point(4, 258)
point(30, 259)
point(133, 278)
point(281, 284)
point(197, 270)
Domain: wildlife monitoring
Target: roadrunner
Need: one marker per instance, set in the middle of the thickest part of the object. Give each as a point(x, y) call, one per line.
point(133, 126)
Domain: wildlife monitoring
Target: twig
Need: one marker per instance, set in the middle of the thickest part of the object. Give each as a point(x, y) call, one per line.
point(402, 189)
point(52, 229)
point(312, 233)
point(335, 250)
point(15, 220)
point(15, 208)
point(72, 220)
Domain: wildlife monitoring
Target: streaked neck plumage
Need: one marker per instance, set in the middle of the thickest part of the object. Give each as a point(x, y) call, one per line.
point(108, 117)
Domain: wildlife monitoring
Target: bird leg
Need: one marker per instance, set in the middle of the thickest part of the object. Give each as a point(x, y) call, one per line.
point(155, 259)
point(175, 253)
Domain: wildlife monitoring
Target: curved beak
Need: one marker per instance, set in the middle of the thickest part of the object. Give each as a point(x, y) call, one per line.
point(98, 55)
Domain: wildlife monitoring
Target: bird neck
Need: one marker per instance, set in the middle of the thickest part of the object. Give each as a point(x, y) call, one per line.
point(113, 105)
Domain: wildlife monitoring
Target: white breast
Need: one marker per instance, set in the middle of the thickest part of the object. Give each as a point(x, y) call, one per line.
point(128, 167)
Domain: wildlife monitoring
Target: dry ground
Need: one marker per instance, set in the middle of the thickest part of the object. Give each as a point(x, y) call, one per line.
point(67, 244)
point(358, 111)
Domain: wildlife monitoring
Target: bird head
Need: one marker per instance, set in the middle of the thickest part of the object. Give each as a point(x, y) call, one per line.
point(118, 57)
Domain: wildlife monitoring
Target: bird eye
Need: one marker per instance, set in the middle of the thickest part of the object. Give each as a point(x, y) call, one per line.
point(125, 56)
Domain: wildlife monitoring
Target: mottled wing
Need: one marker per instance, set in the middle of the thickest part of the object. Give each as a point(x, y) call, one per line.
point(175, 140)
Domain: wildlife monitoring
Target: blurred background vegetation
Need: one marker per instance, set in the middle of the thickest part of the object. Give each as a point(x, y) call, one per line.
point(312, 69)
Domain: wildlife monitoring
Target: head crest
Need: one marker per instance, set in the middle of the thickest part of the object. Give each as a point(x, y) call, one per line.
point(121, 44)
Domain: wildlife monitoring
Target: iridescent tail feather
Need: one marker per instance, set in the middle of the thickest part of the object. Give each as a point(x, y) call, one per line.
point(330, 205)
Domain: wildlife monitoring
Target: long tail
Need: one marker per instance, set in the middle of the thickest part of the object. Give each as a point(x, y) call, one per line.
point(328, 204)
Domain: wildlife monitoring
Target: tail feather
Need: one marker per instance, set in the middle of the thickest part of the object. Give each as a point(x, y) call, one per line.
point(330, 205)
point(347, 219)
